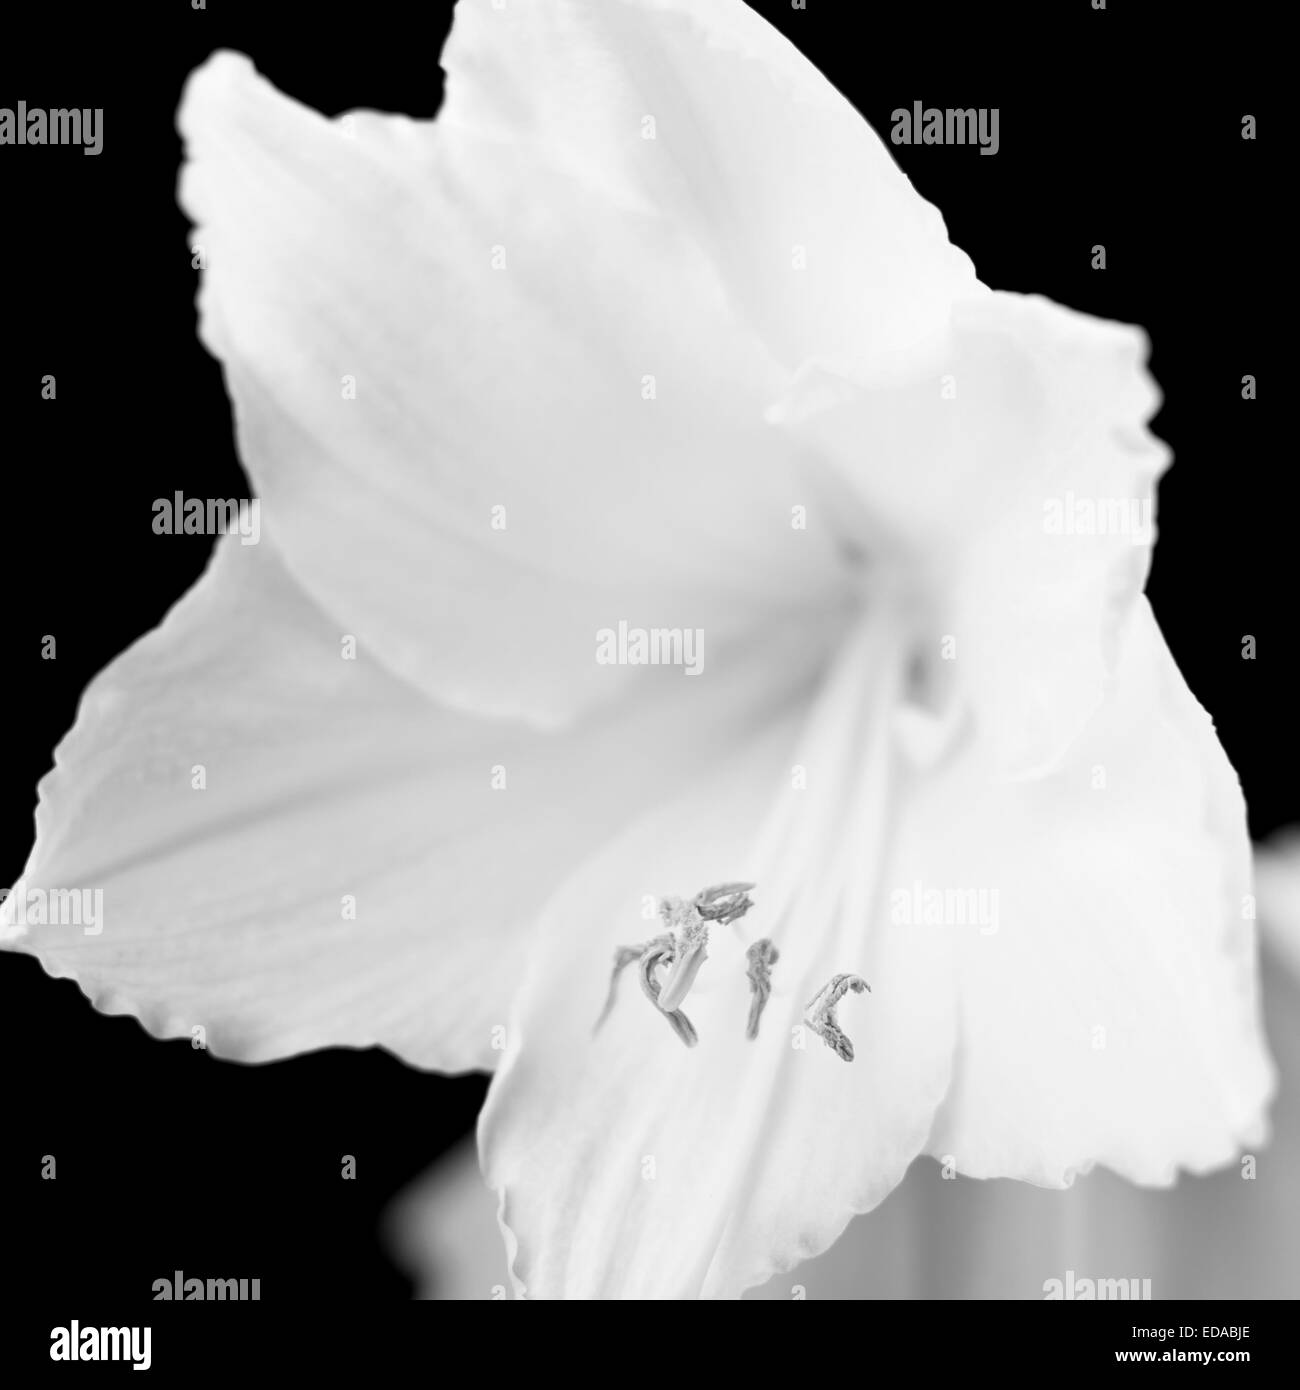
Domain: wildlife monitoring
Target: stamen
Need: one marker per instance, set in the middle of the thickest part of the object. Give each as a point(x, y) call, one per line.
point(725, 903)
point(689, 923)
point(762, 955)
point(819, 1014)
point(623, 957)
point(659, 950)
point(683, 949)
point(690, 939)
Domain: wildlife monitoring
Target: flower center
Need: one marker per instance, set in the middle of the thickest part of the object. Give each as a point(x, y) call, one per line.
point(683, 948)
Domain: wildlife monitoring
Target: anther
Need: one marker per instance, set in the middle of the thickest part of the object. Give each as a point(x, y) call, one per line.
point(819, 1014)
point(725, 902)
point(762, 956)
point(683, 949)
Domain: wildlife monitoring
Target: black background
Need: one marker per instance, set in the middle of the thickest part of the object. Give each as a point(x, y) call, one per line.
point(1119, 126)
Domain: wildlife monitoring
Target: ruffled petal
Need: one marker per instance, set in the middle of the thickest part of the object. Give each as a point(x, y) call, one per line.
point(358, 867)
point(494, 406)
point(1231, 1234)
point(1112, 1016)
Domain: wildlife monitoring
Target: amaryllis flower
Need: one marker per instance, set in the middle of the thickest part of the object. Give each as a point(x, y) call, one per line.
point(928, 848)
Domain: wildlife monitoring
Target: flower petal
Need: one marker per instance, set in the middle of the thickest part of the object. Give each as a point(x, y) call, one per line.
point(629, 1166)
point(940, 1235)
point(1010, 479)
point(704, 110)
point(493, 406)
point(327, 779)
point(1231, 1234)
point(1112, 1017)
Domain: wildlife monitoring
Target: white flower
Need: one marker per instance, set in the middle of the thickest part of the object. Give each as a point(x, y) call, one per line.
point(646, 360)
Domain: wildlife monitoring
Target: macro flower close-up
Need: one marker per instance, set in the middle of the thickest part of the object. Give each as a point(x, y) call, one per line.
point(695, 666)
